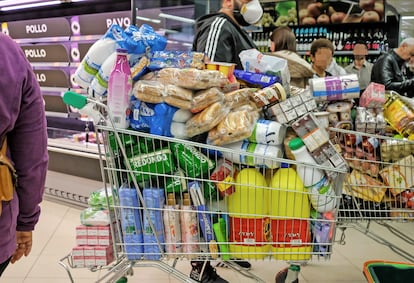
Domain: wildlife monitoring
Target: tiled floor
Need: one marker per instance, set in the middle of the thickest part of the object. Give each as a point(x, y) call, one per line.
point(54, 238)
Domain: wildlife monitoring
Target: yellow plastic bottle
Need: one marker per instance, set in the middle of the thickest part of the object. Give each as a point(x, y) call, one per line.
point(289, 211)
point(248, 209)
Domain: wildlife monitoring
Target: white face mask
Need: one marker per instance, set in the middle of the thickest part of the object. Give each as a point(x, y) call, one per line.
point(250, 13)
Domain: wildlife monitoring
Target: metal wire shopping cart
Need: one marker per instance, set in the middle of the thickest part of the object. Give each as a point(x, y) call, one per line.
point(379, 187)
point(181, 200)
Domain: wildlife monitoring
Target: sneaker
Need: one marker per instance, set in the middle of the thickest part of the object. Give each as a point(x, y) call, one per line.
point(203, 272)
point(236, 263)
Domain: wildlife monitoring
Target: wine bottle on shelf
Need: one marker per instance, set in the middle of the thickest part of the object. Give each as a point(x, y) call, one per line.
point(348, 42)
point(368, 41)
point(340, 44)
point(354, 39)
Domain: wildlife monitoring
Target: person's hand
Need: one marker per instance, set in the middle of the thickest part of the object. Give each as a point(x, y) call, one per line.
point(24, 245)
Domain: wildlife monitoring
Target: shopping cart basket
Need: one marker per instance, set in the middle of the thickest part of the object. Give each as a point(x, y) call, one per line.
point(379, 187)
point(225, 210)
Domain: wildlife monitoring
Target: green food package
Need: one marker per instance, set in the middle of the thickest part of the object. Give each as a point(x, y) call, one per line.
point(177, 183)
point(146, 166)
point(191, 160)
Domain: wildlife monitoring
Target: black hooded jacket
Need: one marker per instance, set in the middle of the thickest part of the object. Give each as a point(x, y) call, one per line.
point(221, 39)
point(388, 70)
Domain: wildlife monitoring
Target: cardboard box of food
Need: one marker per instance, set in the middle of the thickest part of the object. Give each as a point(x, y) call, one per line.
point(399, 176)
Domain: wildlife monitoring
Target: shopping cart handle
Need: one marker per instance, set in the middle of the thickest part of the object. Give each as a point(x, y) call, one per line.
point(74, 99)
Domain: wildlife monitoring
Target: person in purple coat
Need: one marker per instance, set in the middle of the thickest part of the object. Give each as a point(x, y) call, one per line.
point(23, 122)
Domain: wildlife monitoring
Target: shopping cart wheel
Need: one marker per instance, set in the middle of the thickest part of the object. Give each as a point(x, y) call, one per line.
point(122, 280)
point(288, 275)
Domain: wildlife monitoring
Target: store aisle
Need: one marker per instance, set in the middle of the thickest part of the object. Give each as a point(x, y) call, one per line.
point(55, 236)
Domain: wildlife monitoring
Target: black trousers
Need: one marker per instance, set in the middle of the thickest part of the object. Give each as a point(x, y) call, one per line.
point(3, 266)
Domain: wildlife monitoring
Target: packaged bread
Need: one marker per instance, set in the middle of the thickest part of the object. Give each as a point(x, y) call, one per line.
point(360, 185)
point(178, 96)
point(192, 78)
point(139, 68)
point(149, 91)
point(207, 119)
point(236, 126)
point(204, 98)
point(239, 97)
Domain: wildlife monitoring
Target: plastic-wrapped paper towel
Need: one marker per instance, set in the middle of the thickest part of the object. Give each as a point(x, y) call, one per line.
point(335, 87)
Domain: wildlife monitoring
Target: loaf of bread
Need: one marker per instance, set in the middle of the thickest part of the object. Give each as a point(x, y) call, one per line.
point(178, 96)
point(204, 98)
point(192, 78)
point(239, 97)
point(207, 119)
point(149, 91)
point(236, 126)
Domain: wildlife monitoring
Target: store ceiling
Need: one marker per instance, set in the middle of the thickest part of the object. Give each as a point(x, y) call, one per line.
point(404, 8)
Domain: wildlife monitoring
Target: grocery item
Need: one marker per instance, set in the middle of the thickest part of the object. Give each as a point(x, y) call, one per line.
point(290, 227)
point(102, 49)
point(193, 162)
point(189, 227)
point(249, 232)
point(335, 87)
point(154, 200)
point(251, 154)
point(131, 223)
point(397, 113)
point(119, 91)
point(268, 132)
point(321, 193)
point(220, 232)
point(236, 126)
point(171, 217)
point(399, 175)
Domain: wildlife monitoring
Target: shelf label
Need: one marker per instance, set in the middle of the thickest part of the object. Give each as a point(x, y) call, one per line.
point(52, 78)
point(97, 24)
point(38, 28)
point(46, 53)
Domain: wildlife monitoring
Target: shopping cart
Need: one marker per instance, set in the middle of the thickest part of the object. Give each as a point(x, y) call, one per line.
point(379, 187)
point(224, 210)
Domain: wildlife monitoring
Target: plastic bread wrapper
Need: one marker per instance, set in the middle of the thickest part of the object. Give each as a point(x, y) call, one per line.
point(204, 98)
point(362, 186)
point(192, 78)
point(207, 119)
point(236, 126)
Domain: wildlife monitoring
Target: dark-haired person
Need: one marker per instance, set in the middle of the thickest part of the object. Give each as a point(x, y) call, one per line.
point(220, 35)
point(221, 38)
point(321, 53)
point(360, 65)
point(283, 45)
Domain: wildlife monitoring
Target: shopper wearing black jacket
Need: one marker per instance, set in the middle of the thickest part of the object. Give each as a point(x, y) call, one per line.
point(221, 37)
point(388, 69)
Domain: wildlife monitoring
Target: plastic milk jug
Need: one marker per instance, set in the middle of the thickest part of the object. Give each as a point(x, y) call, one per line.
point(248, 210)
point(290, 226)
point(119, 90)
point(321, 193)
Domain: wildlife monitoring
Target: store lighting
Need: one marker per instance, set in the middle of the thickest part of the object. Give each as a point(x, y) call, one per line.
point(9, 5)
point(407, 18)
point(177, 18)
point(29, 5)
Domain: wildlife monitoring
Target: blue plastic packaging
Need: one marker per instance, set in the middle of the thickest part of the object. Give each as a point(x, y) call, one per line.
point(153, 198)
point(131, 223)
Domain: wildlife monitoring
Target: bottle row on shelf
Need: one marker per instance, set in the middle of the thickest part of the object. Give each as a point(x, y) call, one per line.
point(374, 38)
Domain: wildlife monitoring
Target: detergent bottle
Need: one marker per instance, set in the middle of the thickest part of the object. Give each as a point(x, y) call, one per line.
point(248, 210)
point(289, 210)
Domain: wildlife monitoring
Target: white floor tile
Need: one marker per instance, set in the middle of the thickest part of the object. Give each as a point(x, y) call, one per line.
point(55, 236)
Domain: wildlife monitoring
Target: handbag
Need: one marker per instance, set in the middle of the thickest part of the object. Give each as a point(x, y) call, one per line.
point(8, 176)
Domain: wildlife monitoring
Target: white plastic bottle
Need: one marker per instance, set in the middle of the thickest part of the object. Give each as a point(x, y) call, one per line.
point(119, 90)
point(268, 132)
point(99, 84)
point(322, 195)
point(258, 150)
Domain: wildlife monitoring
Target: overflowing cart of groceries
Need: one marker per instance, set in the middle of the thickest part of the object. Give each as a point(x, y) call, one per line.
point(204, 162)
